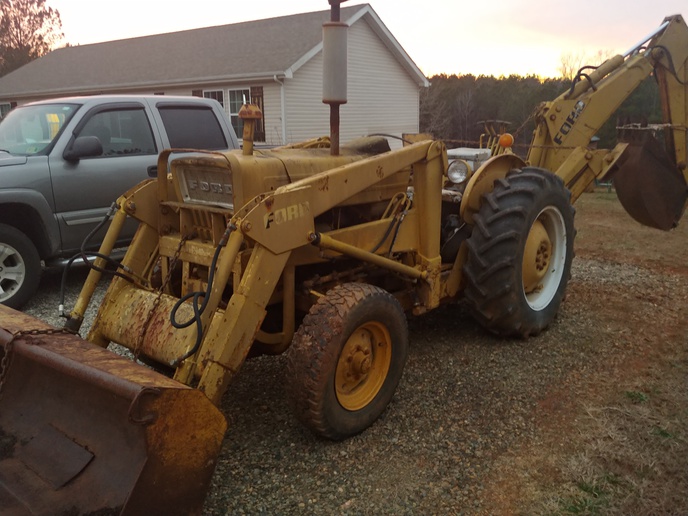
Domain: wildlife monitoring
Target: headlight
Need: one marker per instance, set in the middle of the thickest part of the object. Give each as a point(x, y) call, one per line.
point(459, 171)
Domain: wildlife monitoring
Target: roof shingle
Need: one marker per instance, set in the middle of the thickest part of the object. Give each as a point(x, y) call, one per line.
point(226, 52)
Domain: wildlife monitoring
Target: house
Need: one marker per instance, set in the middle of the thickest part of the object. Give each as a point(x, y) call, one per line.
point(275, 63)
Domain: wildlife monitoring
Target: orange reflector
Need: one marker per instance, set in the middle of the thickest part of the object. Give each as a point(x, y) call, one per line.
point(506, 140)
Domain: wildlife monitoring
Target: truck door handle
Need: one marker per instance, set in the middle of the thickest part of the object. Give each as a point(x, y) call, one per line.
point(153, 171)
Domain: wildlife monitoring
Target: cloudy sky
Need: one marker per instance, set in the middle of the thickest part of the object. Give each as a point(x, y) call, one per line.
point(491, 37)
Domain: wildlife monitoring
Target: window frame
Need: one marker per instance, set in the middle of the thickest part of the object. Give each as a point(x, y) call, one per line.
point(239, 125)
point(3, 111)
point(212, 94)
point(168, 110)
point(118, 107)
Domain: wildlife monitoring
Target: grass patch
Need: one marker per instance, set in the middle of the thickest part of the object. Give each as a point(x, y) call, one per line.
point(636, 397)
point(661, 432)
point(631, 457)
point(593, 499)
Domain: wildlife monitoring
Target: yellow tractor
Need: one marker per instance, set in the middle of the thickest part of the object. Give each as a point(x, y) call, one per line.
point(319, 252)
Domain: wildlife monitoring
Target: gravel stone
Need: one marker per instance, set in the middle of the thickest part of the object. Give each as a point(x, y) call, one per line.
point(465, 398)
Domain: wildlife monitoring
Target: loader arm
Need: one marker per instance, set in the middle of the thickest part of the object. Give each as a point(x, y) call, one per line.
point(565, 126)
point(228, 342)
point(174, 431)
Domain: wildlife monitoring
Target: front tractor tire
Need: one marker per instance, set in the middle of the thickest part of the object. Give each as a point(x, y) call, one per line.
point(346, 360)
point(520, 253)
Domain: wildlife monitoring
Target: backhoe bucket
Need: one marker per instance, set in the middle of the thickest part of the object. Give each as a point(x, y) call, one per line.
point(84, 431)
point(649, 186)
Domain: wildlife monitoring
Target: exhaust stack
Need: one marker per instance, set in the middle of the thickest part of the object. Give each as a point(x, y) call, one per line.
point(334, 69)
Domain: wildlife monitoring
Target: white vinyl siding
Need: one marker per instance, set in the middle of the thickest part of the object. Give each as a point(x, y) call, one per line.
point(307, 116)
point(382, 97)
point(272, 113)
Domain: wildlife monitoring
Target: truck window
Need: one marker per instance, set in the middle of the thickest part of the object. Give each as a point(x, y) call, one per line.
point(33, 129)
point(193, 127)
point(122, 132)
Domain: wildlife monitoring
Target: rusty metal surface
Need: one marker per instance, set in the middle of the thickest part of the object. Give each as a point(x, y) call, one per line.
point(83, 430)
point(134, 310)
point(54, 457)
point(649, 185)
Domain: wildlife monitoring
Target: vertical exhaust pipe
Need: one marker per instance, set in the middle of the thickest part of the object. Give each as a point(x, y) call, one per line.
point(334, 69)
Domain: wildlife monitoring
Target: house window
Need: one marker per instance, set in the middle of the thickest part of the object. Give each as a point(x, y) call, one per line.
point(4, 109)
point(238, 98)
point(257, 99)
point(218, 95)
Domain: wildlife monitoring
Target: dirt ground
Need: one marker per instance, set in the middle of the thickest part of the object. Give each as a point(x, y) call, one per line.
point(614, 439)
point(590, 417)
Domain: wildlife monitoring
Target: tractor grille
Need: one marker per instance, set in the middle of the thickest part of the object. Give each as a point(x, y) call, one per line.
point(208, 185)
point(207, 223)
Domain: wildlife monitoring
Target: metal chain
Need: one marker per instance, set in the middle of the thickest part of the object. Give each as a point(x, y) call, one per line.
point(161, 288)
point(530, 117)
point(5, 363)
point(9, 348)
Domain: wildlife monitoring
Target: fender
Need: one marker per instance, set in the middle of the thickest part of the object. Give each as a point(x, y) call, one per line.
point(482, 181)
point(47, 235)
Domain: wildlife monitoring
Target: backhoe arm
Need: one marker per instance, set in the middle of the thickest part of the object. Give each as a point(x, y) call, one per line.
point(565, 126)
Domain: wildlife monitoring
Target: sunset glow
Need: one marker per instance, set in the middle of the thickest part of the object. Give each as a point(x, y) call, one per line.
point(524, 37)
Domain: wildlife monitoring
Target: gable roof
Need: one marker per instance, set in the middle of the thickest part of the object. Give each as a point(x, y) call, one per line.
point(252, 50)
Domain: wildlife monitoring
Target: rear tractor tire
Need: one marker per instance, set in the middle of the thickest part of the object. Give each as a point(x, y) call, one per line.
point(520, 253)
point(346, 360)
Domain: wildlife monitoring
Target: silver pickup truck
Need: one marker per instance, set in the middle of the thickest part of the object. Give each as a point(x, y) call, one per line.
point(63, 162)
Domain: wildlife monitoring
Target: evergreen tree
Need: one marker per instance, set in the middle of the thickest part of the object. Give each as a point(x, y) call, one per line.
point(453, 105)
point(28, 29)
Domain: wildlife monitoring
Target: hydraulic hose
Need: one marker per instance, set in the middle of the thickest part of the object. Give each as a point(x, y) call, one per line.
point(195, 296)
point(84, 255)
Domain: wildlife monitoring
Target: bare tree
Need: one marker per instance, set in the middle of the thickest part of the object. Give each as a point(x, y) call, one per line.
point(572, 62)
point(433, 112)
point(28, 29)
point(465, 105)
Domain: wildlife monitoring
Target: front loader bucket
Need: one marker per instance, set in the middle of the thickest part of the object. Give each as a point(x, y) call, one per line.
point(84, 431)
point(649, 186)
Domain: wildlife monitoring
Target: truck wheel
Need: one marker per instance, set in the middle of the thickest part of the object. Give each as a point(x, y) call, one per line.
point(20, 267)
point(520, 252)
point(346, 360)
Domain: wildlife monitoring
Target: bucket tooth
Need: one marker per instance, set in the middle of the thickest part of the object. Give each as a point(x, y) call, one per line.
point(649, 185)
point(83, 430)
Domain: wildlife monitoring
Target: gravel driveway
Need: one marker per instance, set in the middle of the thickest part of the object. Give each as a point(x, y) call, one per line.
point(464, 400)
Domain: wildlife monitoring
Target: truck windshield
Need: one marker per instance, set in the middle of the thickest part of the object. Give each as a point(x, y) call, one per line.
point(31, 130)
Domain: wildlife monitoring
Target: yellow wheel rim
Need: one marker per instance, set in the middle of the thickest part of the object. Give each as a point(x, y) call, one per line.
point(536, 257)
point(363, 365)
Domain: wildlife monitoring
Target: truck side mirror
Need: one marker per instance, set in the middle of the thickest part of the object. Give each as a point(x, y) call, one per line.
point(83, 147)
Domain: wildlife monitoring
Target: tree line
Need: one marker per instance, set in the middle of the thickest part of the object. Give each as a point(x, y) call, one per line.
point(452, 107)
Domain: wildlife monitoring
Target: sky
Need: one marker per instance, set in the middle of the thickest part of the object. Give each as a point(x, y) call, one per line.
point(484, 37)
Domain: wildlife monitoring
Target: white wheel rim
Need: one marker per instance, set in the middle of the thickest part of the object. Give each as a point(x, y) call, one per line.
point(12, 271)
point(553, 221)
